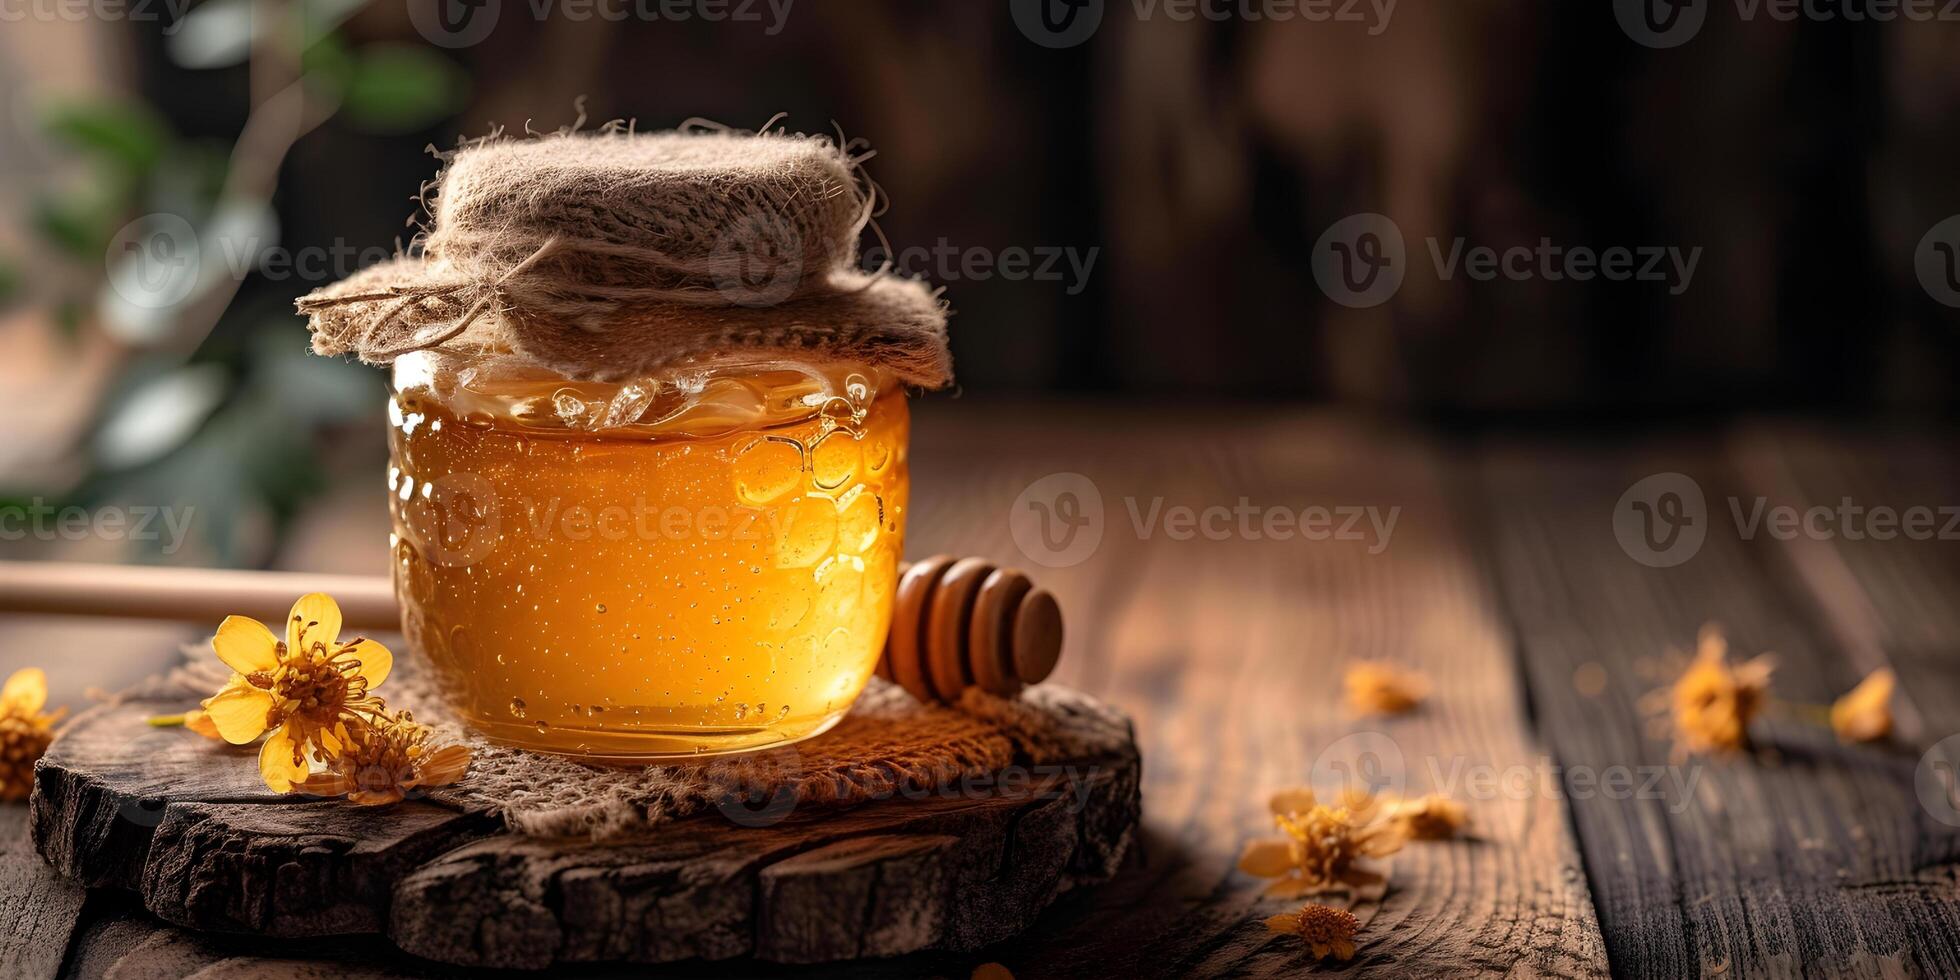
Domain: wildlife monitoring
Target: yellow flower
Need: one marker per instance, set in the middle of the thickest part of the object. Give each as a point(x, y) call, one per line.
point(1328, 931)
point(1380, 688)
point(25, 730)
point(304, 691)
point(1865, 714)
point(1713, 701)
point(1432, 817)
point(1322, 847)
point(384, 759)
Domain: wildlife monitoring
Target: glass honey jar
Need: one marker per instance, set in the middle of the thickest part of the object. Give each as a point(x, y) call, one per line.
point(696, 562)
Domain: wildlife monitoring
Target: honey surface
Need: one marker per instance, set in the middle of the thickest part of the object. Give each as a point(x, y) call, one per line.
point(647, 569)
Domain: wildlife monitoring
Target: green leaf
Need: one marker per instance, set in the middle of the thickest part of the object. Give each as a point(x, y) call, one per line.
point(397, 88)
point(75, 223)
point(125, 133)
point(328, 64)
point(9, 281)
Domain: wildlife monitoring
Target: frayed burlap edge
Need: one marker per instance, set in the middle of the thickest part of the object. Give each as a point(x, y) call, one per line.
point(609, 255)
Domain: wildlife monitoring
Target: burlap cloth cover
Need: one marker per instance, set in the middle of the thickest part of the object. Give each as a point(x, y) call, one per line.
point(888, 746)
point(612, 255)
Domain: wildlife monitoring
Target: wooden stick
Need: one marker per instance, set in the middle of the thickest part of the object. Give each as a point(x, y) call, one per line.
point(198, 595)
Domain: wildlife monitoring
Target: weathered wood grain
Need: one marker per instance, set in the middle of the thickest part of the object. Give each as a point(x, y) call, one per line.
point(1805, 857)
point(1229, 653)
point(184, 822)
point(38, 906)
point(700, 889)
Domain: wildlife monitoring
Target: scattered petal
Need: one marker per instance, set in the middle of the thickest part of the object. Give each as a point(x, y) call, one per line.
point(1381, 688)
point(1865, 714)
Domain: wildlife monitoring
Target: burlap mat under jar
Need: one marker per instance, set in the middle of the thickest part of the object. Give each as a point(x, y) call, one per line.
point(888, 746)
point(613, 255)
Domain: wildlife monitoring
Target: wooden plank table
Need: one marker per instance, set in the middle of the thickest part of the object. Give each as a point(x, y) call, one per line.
point(1503, 581)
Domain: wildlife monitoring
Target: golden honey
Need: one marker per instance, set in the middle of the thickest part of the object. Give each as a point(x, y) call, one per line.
point(700, 562)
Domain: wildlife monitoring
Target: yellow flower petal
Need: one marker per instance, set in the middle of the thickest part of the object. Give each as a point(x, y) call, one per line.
point(245, 645)
point(1865, 714)
point(1268, 858)
point(239, 712)
point(280, 761)
point(1298, 800)
point(26, 691)
point(375, 660)
point(445, 766)
point(324, 784)
point(198, 721)
point(318, 617)
point(376, 797)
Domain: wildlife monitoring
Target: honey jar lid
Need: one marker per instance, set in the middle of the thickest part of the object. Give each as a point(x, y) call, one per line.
point(613, 254)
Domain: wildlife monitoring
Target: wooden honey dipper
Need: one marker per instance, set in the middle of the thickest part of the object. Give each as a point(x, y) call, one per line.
point(969, 623)
point(955, 624)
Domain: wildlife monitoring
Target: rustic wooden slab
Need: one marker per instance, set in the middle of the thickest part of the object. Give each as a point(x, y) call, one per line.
point(183, 822)
point(1809, 857)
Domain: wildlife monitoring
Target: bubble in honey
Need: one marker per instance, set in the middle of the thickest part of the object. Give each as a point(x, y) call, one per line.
point(543, 726)
point(834, 460)
point(517, 707)
point(767, 469)
point(860, 512)
point(809, 528)
point(600, 608)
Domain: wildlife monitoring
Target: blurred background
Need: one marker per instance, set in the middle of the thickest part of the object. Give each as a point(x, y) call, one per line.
point(1170, 171)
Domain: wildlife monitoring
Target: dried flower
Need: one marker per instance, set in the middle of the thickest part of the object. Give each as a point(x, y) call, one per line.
point(1865, 714)
point(1328, 931)
point(1432, 817)
point(382, 759)
point(304, 691)
point(1381, 688)
point(1713, 701)
point(1322, 847)
point(25, 730)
